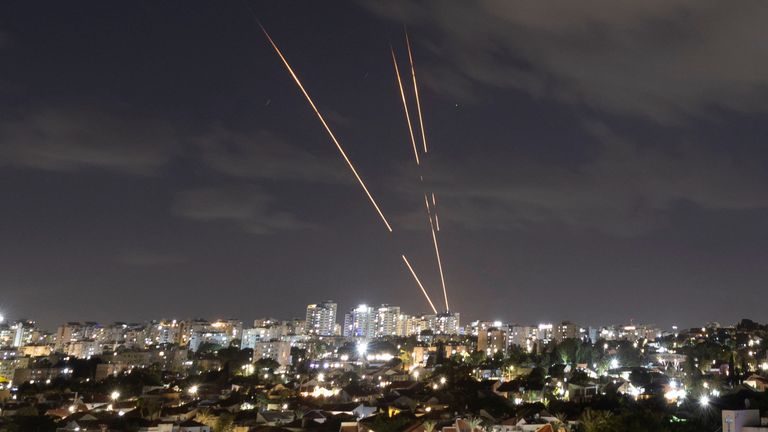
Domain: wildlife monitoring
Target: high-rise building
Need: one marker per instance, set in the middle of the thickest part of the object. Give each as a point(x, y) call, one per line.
point(23, 332)
point(567, 330)
point(387, 320)
point(270, 331)
point(446, 323)
point(73, 332)
point(407, 325)
point(360, 322)
point(475, 327)
point(492, 340)
point(321, 319)
point(546, 332)
point(523, 336)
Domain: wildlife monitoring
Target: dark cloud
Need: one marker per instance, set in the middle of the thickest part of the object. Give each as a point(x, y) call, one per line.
point(247, 206)
point(264, 154)
point(70, 138)
point(658, 59)
point(626, 188)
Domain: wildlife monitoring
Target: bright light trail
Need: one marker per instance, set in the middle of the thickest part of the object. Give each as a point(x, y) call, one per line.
point(419, 282)
point(327, 128)
point(405, 106)
point(416, 92)
point(437, 252)
point(434, 206)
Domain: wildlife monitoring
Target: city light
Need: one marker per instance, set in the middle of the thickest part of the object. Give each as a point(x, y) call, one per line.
point(704, 400)
point(115, 395)
point(362, 348)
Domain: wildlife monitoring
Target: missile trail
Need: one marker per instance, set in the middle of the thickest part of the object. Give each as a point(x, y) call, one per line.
point(437, 252)
point(327, 128)
point(405, 106)
point(419, 282)
point(434, 206)
point(416, 92)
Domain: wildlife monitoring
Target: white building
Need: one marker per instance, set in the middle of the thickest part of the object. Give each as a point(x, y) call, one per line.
point(360, 322)
point(321, 319)
point(444, 323)
point(387, 320)
point(251, 336)
point(280, 351)
point(215, 337)
point(83, 349)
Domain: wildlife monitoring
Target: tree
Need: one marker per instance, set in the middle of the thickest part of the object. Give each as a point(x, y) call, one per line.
point(267, 364)
point(640, 377)
point(27, 411)
point(535, 379)
point(149, 408)
point(207, 348)
point(579, 377)
point(225, 423)
point(474, 423)
point(205, 417)
point(640, 421)
point(561, 424)
point(567, 351)
point(298, 355)
point(595, 421)
point(628, 355)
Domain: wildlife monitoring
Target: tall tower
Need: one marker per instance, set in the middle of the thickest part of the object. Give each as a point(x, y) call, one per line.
point(360, 322)
point(321, 318)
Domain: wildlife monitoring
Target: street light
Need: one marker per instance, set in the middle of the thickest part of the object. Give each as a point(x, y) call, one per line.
point(115, 395)
point(704, 400)
point(193, 390)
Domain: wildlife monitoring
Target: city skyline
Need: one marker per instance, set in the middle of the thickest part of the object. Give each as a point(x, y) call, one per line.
point(376, 321)
point(170, 166)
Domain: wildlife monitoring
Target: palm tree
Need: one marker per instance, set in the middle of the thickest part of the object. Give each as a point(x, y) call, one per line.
point(561, 424)
point(474, 423)
point(594, 421)
point(429, 426)
point(205, 417)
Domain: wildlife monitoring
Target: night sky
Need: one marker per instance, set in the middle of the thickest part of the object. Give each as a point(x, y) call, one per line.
point(594, 161)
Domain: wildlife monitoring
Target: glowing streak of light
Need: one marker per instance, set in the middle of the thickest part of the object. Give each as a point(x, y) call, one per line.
point(405, 106)
point(416, 92)
point(419, 283)
point(327, 128)
point(437, 219)
point(437, 252)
